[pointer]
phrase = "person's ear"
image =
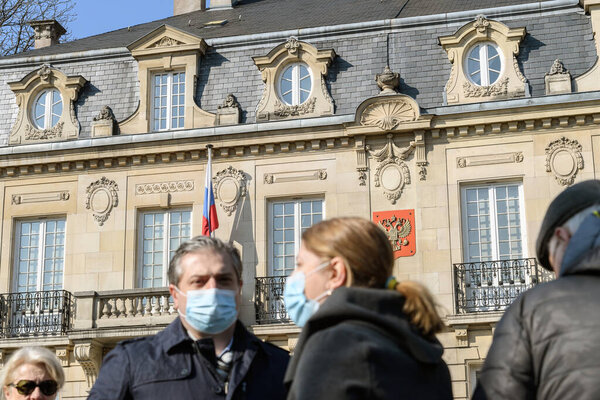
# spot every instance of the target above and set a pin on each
(175, 295)
(339, 274)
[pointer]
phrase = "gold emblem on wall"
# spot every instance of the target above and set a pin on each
(398, 226)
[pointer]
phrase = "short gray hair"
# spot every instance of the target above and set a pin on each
(573, 223)
(36, 356)
(203, 243)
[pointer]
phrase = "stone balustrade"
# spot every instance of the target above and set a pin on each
(119, 308)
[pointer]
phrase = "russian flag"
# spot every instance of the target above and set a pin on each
(210, 222)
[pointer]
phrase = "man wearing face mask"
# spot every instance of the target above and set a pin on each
(206, 353)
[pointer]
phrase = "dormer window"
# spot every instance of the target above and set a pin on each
(484, 64)
(169, 101)
(47, 109)
(295, 84)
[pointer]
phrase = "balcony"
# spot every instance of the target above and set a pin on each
(268, 300)
(490, 286)
(35, 313)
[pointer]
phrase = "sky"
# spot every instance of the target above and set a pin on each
(95, 17)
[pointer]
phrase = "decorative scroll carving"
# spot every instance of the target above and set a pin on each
(230, 186)
(166, 41)
(89, 356)
(462, 335)
(32, 133)
(387, 81)
(387, 115)
(292, 45)
(44, 73)
(164, 187)
(268, 179)
(283, 110)
(392, 173)
(40, 197)
(564, 160)
(62, 353)
(102, 197)
(489, 159)
(499, 88)
(481, 24)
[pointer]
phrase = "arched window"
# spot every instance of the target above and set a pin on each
(47, 109)
(295, 84)
(484, 64)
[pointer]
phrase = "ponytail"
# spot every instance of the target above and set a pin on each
(419, 306)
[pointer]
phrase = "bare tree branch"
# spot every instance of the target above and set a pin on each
(16, 35)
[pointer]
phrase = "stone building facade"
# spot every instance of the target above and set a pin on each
(452, 127)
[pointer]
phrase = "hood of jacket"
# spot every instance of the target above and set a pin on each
(382, 310)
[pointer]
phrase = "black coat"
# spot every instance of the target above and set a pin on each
(170, 365)
(547, 345)
(359, 345)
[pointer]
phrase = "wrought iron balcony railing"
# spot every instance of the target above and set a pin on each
(494, 285)
(268, 302)
(35, 313)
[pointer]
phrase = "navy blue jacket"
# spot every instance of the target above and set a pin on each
(170, 365)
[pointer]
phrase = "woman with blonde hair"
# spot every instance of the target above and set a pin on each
(32, 373)
(365, 335)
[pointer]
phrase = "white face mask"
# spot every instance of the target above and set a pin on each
(209, 310)
(299, 308)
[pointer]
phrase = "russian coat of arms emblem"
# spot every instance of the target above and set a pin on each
(399, 226)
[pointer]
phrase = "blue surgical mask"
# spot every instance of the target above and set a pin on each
(299, 308)
(210, 310)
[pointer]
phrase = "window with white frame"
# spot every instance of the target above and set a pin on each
(484, 64)
(160, 235)
(295, 84)
(47, 109)
(168, 101)
(493, 222)
(288, 219)
(40, 255)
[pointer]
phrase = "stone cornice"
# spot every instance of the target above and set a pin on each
(302, 136)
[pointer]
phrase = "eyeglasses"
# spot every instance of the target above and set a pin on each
(26, 387)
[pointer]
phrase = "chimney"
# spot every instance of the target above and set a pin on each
(47, 32)
(220, 4)
(186, 6)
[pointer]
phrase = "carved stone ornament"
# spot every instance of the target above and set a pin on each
(283, 110)
(89, 356)
(558, 80)
(387, 81)
(292, 45)
(557, 68)
(228, 113)
(166, 41)
(392, 172)
(481, 24)
(499, 88)
(44, 72)
(388, 115)
(33, 134)
(105, 114)
(229, 102)
(164, 187)
(230, 186)
(564, 160)
(102, 197)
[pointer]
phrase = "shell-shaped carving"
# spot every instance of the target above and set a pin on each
(388, 115)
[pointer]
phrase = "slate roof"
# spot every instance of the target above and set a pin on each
(261, 16)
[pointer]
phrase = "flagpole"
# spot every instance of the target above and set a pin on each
(209, 148)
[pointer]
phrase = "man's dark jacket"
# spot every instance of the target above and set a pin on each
(547, 345)
(170, 365)
(360, 345)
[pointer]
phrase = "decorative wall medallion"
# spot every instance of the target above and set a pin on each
(230, 186)
(392, 173)
(282, 110)
(564, 160)
(388, 115)
(102, 197)
(398, 225)
(164, 187)
(497, 89)
(40, 197)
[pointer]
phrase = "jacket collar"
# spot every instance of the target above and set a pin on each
(174, 336)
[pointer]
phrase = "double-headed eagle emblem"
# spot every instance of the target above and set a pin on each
(397, 231)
